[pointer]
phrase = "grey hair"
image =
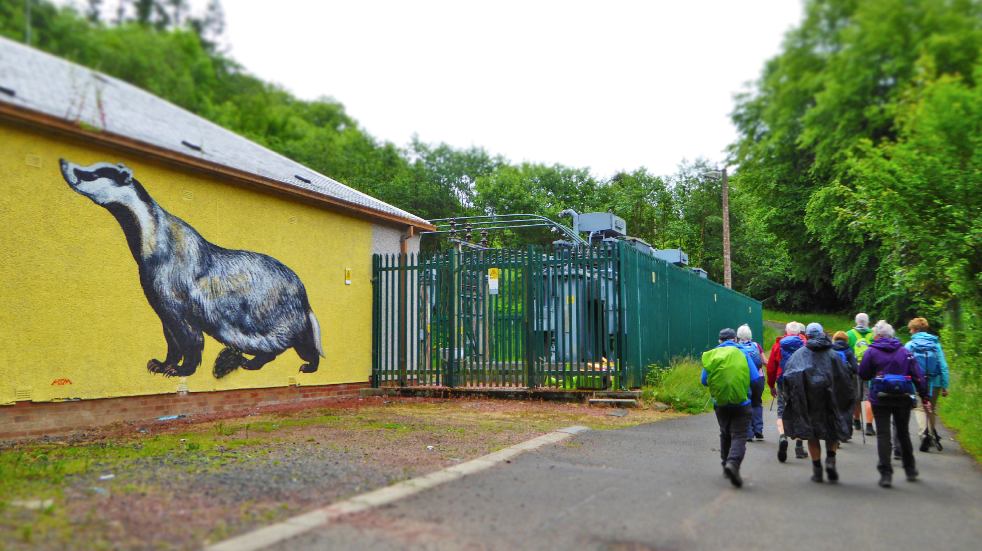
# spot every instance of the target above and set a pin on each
(862, 319)
(791, 328)
(744, 333)
(883, 329)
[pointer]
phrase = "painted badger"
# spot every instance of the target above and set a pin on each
(249, 302)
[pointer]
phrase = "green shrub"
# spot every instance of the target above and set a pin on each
(678, 386)
(960, 411)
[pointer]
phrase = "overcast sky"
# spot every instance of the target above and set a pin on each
(610, 85)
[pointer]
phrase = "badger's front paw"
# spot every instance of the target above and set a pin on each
(157, 366)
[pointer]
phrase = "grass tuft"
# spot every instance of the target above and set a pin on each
(678, 386)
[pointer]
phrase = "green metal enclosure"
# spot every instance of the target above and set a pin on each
(578, 318)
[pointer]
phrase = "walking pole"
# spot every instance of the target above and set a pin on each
(772, 404)
(862, 417)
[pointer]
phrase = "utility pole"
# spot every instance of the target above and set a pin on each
(727, 274)
(27, 22)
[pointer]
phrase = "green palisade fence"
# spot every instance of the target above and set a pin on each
(585, 318)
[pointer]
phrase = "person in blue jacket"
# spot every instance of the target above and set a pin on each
(756, 352)
(930, 357)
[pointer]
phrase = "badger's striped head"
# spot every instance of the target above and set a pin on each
(105, 183)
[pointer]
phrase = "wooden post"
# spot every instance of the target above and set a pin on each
(727, 275)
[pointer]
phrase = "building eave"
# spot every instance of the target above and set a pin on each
(124, 144)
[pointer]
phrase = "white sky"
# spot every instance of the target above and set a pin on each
(608, 85)
(605, 84)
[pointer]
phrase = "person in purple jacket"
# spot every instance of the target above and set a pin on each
(895, 377)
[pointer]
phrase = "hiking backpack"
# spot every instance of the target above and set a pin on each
(788, 347)
(861, 345)
(754, 352)
(926, 355)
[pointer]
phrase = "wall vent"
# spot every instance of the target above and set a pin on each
(22, 395)
(190, 145)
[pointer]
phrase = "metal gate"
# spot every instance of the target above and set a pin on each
(580, 318)
(497, 318)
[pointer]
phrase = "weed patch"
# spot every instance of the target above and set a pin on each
(678, 385)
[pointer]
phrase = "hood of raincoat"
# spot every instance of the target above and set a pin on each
(887, 345)
(819, 343)
(923, 337)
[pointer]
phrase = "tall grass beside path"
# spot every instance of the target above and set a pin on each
(677, 385)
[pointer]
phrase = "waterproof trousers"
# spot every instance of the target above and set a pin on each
(900, 417)
(733, 423)
(756, 408)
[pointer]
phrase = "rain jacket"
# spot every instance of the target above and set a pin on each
(820, 393)
(926, 339)
(888, 356)
(728, 371)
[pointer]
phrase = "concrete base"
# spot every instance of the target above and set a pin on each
(551, 394)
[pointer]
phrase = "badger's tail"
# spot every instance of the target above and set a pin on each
(315, 328)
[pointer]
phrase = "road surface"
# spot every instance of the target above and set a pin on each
(660, 487)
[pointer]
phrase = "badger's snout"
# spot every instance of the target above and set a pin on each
(68, 172)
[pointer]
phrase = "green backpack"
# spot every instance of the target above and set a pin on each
(862, 343)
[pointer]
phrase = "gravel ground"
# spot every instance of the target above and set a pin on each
(180, 485)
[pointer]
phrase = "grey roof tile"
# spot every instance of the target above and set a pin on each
(59, 88)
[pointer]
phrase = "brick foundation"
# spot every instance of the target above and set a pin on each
(33, 419)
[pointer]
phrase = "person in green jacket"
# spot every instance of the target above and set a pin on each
(728, 371)
(860, 337)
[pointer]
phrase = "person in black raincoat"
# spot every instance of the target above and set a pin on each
(820, 392)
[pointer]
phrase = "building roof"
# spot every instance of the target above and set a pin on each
(70, 95)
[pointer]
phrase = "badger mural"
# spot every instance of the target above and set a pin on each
(248, 301)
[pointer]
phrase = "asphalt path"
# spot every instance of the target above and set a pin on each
(660, 487)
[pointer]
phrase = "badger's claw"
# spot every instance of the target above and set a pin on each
(307, 368)
(177, 371)
(157, 366)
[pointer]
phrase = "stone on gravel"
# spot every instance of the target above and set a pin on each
(33, 504)
(617, 413)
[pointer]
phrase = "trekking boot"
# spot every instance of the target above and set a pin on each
(759, 436)
(732, 471)
(911, 473)
(886, 480)
(782, 448)
(799, 450)
(857, 424)
(870, 431)
(817, 471)
(830, 469)
(926, 442)
(897, 454)
(937, 441)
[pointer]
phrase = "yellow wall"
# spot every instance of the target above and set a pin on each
(72, 307)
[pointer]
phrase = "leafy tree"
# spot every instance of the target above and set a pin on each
(840, 89)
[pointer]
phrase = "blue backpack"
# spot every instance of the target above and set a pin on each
(754, 352)
(842, 356)
(926, 355)
(789, 345)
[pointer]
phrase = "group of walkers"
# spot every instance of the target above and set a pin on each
(826, 387)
